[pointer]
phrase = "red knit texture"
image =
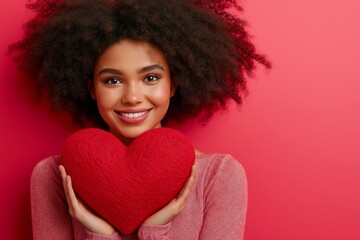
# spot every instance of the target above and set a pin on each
(125, 185)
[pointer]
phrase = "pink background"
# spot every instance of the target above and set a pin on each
(297, 135)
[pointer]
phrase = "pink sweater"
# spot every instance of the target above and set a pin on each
(215, 208)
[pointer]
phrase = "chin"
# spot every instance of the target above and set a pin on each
(130, 133)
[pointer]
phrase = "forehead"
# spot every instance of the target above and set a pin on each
(129, 54)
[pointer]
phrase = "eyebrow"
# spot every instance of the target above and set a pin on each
(142, 70)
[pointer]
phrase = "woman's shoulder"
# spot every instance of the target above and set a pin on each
(47, 163)
(217, 164)
(46, 169)
(217, 159)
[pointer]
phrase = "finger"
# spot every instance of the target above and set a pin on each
(179, 203)
(181, 200)
(64, 181)
(73, 201)
(186, 189)
(193, 170)
(62, 173)
(192, 175)
(72, 196)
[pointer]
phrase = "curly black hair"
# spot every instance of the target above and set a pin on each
(205, 42)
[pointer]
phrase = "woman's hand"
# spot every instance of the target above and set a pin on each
(79, 211)
(170, 211)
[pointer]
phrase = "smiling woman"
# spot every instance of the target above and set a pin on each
(132, 88)
(129, 67)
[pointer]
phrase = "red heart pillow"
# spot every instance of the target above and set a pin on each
(126, 185)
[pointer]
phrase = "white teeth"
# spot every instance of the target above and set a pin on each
(133, 115)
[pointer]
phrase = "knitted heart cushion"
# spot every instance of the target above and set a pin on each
(126, 185)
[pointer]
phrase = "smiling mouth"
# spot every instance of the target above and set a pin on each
(133, 115)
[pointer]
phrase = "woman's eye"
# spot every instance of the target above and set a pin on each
(151, 78)
(112, 81)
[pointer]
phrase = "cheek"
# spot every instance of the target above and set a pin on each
(161, 95)
(106, 98)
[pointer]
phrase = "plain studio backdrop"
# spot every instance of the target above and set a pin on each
(297, 134)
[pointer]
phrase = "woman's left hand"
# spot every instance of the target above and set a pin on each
(170, 211)
(81, 212)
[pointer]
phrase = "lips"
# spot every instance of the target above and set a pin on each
(133, 116)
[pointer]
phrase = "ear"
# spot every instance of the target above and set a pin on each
(90, 86)
(173, 87)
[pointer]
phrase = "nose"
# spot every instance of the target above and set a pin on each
(132, 94)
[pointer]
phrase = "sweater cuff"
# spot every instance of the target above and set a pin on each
(95, 236)
(154, 232)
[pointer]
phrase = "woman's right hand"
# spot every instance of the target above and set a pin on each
(172, 209)
(80, 212)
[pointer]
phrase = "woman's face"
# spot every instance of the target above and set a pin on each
(132, 88)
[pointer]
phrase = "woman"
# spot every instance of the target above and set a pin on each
(129, 67)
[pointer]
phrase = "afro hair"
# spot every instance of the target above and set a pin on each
(206, 44)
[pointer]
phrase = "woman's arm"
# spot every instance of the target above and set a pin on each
(225, 197)
(158, 225)
(96, 227)
(49, 211)
(224, 207)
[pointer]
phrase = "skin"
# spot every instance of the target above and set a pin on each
(132, 88)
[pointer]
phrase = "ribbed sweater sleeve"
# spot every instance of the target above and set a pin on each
(223, 186)
(49, 210)
(225, 200)
(152, 232)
